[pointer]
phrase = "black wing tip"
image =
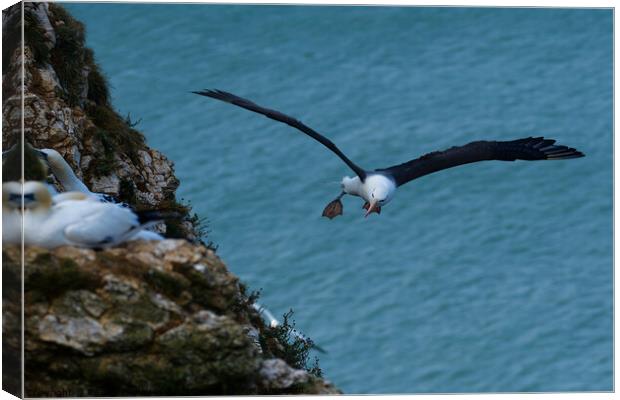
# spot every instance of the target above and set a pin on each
(211, 92)
(569, 153)
(552, 151)
(224, 96)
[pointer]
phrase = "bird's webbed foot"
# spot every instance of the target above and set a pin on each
(377, 209)
(334, 208)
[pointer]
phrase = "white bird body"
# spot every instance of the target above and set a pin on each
(64, 196)
(376, 188)
(80, 223)
(72, 222)
(143, 234)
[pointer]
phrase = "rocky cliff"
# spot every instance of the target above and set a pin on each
(145, 318)
(67, 108)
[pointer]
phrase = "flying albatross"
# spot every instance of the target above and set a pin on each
(377, 187)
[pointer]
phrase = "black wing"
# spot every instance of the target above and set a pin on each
(278, 116)
(522, 149)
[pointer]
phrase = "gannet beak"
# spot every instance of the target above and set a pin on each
(15, 200)
(373, 207)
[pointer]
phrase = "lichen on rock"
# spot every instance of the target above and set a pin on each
(95, 317)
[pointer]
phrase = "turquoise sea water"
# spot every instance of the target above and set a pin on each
(488, 277)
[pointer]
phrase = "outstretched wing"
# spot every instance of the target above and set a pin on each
(522, 149)
(278, 116)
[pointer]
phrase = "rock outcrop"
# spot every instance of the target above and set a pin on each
(147, 318)
(144, 318)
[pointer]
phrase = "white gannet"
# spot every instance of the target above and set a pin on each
(144, 234)
(71, 222)
(68, 179)
(77, 190)
(377, 187)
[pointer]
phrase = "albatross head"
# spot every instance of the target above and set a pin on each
(379, 190)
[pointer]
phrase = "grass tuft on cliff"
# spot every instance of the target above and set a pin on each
(97, 83)
(35, 37)
(279, 341)
(294, 350)
(67, 57)
(70, 58)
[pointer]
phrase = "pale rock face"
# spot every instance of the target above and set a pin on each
(51, 123)
(277, 374)
(109, 184)
(49, 80)
(83, 334)
(142, 306)
(41, 11)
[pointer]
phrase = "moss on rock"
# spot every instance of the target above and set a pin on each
(97, 326)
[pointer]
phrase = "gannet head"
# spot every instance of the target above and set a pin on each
(51, 156)
(36, 196)
(12, 195)
(62, 171)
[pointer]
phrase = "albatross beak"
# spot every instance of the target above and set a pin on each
(373, 207)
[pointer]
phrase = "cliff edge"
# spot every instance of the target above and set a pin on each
(145, 318)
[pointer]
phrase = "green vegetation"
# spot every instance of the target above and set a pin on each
(97, 84)
(52, 277)
(294, 350)
(67, 57)
(280, 341)
(11, 36)
(35, 38)
(175, 227)
(169, 284)
(116, 137)
(70, 58)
